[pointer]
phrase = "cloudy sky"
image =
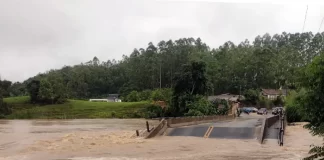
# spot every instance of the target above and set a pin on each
(37, 35)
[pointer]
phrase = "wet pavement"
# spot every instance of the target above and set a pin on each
(197, 131)
(244, 127)
(233, 133)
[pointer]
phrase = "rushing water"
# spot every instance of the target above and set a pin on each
(111, 139)
(17, 135)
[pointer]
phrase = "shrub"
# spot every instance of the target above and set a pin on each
(153, 111)
(161, 95)
(5, 109)
(193, 112)
(221, 107)
(265, 103)
(199, 106)
(278, 101)
(133, 97)
(157, 95)
(294, 107)
(113, 114)
(144, 95)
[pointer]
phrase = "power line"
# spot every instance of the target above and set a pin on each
(305, 18)
(319, 29)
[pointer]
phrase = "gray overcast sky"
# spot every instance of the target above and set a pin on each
(39, 35)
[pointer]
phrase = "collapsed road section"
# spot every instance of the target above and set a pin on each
(245, 127)
(250, 126)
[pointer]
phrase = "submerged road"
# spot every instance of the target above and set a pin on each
(244, 127)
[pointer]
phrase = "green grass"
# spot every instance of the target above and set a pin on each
(17, 100)
(75, 109)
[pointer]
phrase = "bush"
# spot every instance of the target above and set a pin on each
(265, 103)
(293, 114)
(193, 112)
(113, 114)
(133, 97)
(157, 95)
(162, 95)
(278, 101)
(294, 107)
(153, 111)
(198, 107)
(220, 106)
(144, 95)
(4, 108)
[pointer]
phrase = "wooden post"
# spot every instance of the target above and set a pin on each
(137, 133)
(147, 126)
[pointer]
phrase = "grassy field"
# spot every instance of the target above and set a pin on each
(74, 109)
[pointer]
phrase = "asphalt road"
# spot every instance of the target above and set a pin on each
(243, 127)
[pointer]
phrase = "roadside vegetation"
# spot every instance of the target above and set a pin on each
(22, 109)
(306, 102)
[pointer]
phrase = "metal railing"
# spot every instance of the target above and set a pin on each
(281, 127)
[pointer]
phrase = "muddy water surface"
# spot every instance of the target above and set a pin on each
(27, 137)
(112, 140)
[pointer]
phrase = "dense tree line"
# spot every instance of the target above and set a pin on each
(267, 62)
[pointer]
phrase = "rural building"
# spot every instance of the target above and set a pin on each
(272, 94)
(113, 98)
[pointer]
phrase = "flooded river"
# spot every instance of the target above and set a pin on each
(27, 137)
(111, 139)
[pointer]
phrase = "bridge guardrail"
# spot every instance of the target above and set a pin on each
(282, 126)
(267, 122)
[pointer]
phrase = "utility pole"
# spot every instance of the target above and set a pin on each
(160, 75)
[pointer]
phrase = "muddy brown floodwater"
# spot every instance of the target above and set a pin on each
(112, 140)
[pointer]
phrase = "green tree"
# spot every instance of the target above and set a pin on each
(251, 96)
(5, 86)
(17, 89)
(33, 90)
(312, 102)
(4, 107)
(190, 82)
(45, 90)
(269, 61)
(293, 107)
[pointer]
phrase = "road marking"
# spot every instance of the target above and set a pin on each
(206, 132)
(209, 130)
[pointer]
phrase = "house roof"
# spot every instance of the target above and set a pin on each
(274, 91)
